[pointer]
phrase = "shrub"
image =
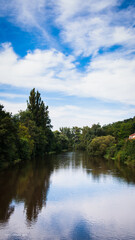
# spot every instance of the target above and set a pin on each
(99, 145)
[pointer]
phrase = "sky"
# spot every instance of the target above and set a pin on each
(80, 55)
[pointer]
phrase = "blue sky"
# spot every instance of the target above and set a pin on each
(80, 55)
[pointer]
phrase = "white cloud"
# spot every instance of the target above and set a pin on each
(69, 9)
(45, 69)
(95, 33)
(13, 107)
(28, 15)
(69, 115)
(109, 77)
(72, 115)
(90, 25)
(108, 214)
(12, 95)
(86, 25)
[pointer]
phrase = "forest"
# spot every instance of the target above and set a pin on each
(29, 134)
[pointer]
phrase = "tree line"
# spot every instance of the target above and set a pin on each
(109, 141)
(29, 134)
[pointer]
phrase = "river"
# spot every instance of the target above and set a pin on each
(69, 196)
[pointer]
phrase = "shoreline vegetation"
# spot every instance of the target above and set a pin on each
(29, 134)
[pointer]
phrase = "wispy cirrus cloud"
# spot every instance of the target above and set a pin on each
(24, 13)
(90, 25)
(85, 26)
(30, 16)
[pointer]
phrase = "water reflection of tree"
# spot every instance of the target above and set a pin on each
(36, 191)
(30, 184)
(100, 166)
(7, 181)
(94, 166)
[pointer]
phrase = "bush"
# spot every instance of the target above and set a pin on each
(127, 153)
(99, 145)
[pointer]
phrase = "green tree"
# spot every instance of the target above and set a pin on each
(8, 133)
(60, 141)
(76, 131)
(36, 119)
(99, 145)
(96, 130)
(127, 153)
(67, 132)
(25, 142)
(38, 110)
(86, 137)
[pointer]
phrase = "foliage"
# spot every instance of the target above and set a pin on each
(127, 153)
(8, 133)
(68, 133)
(29, 134)
(25, 142)
(60, 141)
(76, 131)
(38, 110)
(120, 130)
(99, 145)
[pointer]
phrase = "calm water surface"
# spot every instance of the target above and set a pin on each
(68, 196)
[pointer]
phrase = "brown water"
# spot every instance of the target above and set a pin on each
(68, 196)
